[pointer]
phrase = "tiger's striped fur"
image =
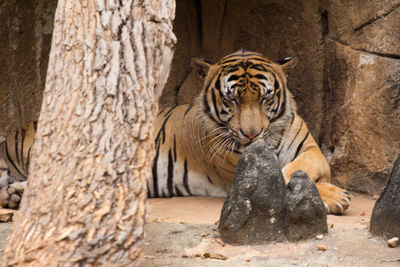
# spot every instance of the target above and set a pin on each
(14, 164)
(16, 149)
(244, 98)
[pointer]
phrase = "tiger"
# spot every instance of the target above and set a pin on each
(244, 98)
(14, 164)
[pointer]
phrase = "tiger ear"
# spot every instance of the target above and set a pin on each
(200, 64)
(288, 62)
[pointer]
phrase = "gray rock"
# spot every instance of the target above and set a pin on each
(254, 210)
(385, 219)
(305, 211)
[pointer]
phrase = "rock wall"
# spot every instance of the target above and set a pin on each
(25, 38)
(361, 122)
(346, 81)
(278, 29)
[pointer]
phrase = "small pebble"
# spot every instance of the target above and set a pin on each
(219, 241)
(393, 242)
(248, 260)
(204, 234)
(3, 198)
(4, 179)
(331, 225)
(19, 187)
(322, 247)
(6, 215)
(10, 190)
(319, 237)
(15, 198)
(217, 256)
(362, 213)
(375, 196)
(12, 205)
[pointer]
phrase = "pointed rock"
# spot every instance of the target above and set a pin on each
(385, 219)
(254, 210)
(305, 211)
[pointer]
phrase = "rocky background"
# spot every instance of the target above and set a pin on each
(25, 39)
(346, 82)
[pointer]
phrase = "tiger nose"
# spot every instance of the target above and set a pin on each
(251, 135)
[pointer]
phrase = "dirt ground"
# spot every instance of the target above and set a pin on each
(182, 232)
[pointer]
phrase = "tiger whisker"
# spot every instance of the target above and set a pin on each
(213, 149)
(221, 136)
(216, 147)
(222, 146)
(213, 146)
(227, 148)
(211, 134)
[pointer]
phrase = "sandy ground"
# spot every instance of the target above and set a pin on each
(182, 232)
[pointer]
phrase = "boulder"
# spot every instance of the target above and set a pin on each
(305, 211)
(385, 219)
(254, 210)
(370, 26)
(361, 128)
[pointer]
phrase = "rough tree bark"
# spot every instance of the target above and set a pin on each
(85, 201)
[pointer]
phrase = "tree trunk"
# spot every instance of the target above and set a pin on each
(85, 201)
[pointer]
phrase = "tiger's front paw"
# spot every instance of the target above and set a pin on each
(336, 199)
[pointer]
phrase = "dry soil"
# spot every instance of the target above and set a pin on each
(182, 232)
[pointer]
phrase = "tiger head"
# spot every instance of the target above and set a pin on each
(243, 94)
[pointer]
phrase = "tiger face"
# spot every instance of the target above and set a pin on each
(243, 94)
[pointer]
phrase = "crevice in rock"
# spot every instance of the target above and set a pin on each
(221, 26)
(375, 18)
(379, 54)
(324, 22)
(200, 21)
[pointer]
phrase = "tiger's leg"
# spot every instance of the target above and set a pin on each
(313, 162)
